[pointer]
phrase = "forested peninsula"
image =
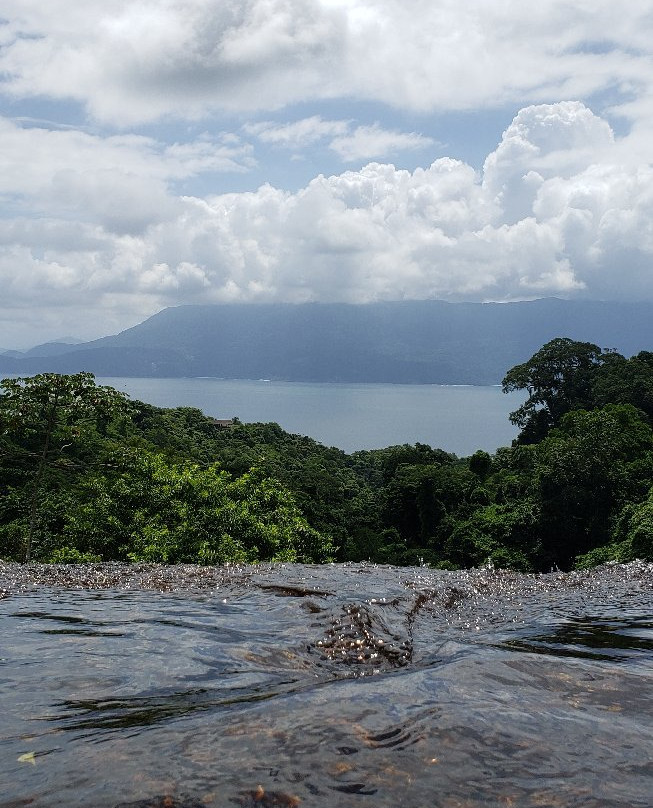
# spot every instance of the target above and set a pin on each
(86, 475)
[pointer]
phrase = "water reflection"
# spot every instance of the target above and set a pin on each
(602, 638)
(146, 711)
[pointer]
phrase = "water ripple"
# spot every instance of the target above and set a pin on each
(285, 685)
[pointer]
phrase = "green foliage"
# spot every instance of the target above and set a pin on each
(52, 424)
(418, 498)
(632, 537)
(480, 463)
(150, 509)
(558, 378)
(325, 483)
(583, 477)
(640, 530)
(616, 552)
(88, 483)
(625, 381)
(386, 462)
(506, 535)
(71, 555)
(634, 530)
(86, 475)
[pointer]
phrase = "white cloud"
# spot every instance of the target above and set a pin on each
(550, 140)
(94, 223)
(138, 60)
(351, 144)
(557, 211)
(120, 182)
(367, 142)
(298, 134)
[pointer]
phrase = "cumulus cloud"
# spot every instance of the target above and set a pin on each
(94, 222)
(556, 211)
(546, 216)
(558, 140)
(137, 60)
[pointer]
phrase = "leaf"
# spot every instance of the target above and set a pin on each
(28, 757)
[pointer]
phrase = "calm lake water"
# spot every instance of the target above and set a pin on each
(349, 416)
(323, 687)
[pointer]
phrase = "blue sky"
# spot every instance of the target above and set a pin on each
(161, 152)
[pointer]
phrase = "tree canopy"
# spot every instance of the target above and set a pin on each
(87, 475)
(50, 422)
(558, 378)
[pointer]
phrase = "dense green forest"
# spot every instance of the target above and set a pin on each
(88, 475)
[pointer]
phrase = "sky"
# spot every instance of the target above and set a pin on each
(156, 153)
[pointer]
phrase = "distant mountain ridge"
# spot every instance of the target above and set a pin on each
(412, 342)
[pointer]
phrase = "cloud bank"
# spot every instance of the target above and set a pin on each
(131, 61)
(111, 211)
(557, 210)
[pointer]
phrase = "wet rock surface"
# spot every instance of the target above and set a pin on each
(165, 801)
(130, 686)
(115, 575)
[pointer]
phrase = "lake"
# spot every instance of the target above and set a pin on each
(458, 419)
(341, 686)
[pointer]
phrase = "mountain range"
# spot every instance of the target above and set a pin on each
(413, 342)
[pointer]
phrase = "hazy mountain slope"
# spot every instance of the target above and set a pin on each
(408, 341)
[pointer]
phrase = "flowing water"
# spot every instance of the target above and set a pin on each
(342, 685)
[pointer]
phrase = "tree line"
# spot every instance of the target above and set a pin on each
(88, 475)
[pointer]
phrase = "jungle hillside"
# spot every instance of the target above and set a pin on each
(88, 475)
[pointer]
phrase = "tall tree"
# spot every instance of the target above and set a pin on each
(558, 379)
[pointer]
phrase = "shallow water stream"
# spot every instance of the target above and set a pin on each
(342, 685)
